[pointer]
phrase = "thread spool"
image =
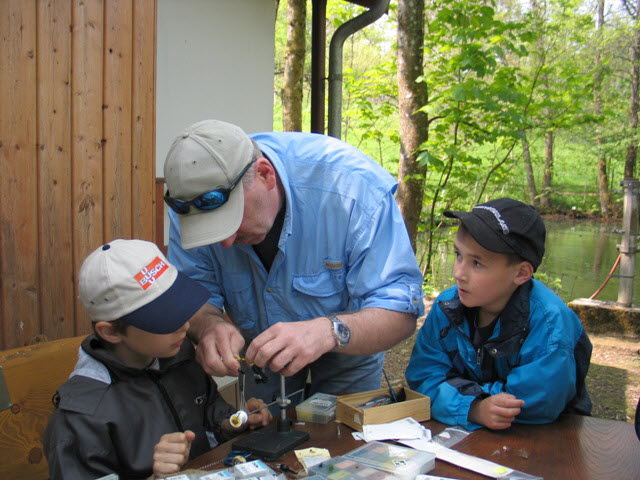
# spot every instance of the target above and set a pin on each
(238, 419)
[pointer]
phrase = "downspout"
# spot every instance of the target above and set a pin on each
(335, 61)
(318, 60)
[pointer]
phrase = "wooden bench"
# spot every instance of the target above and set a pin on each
(29, 377)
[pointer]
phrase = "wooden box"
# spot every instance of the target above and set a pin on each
(416, 405)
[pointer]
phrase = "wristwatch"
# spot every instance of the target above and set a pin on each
(340, 331)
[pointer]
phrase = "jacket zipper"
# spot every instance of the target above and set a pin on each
(478, 351)
(167, 399)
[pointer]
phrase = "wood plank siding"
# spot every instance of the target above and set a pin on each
(77, 151)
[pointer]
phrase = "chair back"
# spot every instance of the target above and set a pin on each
(29, 378)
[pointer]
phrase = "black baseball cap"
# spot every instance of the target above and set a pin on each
(506, 225)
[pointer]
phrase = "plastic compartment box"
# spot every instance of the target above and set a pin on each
(318, 408)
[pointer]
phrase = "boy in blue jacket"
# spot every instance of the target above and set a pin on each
(500, 347)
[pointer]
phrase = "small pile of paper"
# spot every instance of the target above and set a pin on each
(409, 432)
(406, 431)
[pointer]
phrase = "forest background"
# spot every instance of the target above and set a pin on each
(468, 100)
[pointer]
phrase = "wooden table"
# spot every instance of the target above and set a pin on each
(572, 448)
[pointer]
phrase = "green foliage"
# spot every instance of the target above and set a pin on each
(554, 283)
(478, 102)
(495, 71)
(429, 288)
(371, 109)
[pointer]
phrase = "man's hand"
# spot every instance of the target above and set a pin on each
(172, 452)
(497, 411)
(219, 342)
(218, 348)
(261, 418)
(287, 347)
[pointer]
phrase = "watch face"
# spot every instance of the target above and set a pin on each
(343, 332)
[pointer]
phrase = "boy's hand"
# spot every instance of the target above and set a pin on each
(497, 411)
(172, 452)
(261, 418)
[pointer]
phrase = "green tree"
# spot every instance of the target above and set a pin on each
(412, 93)
(633, 8)
(476, 105)
(294, 65)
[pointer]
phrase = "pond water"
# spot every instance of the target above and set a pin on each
(579, 253)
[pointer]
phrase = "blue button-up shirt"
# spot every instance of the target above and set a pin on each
(343, 245)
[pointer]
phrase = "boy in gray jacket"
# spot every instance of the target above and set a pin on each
(137, 403)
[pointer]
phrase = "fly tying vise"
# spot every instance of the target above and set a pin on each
(239, 418)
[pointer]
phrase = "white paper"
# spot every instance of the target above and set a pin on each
(475, 464)
(404, 429)
(409, 432)
(432, 477)
(417, 443)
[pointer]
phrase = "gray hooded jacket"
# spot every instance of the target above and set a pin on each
(109, 416)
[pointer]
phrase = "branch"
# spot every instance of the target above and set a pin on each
(493, 169)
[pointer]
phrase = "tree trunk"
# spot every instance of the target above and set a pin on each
(538, 10)
(603, 179)
(547, 174)
(531, 181)
(632, 148)
(294, 66)
(413, 123)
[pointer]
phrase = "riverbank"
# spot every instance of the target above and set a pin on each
(613, 380)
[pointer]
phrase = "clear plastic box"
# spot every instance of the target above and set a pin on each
(318, 408)
(342, 468)
(401, 462)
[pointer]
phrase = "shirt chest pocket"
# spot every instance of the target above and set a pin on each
(325, 290)
(241, 299)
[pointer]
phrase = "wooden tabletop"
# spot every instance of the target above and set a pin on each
(572, 448)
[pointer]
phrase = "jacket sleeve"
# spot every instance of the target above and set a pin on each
(431, 372)
(78, 449)
(217, 411)
(545, 377)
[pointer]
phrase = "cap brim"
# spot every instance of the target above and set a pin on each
(481, 232)
(172, 309)
(202, 227)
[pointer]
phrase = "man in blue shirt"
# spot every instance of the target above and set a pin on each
(299, 241)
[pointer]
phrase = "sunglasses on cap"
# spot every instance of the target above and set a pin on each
(208, 200)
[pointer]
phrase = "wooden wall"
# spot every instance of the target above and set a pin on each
(77, 147)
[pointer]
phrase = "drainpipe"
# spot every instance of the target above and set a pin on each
(335, 61)
(318, 60)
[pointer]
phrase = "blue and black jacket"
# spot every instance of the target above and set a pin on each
(538, 352)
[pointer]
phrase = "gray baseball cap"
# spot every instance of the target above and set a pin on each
(208, 155)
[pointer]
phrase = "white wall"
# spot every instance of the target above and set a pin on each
(214, 60)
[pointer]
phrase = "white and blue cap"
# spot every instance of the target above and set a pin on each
(131, 280)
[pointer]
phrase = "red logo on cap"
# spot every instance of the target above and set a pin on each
(151, 273)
